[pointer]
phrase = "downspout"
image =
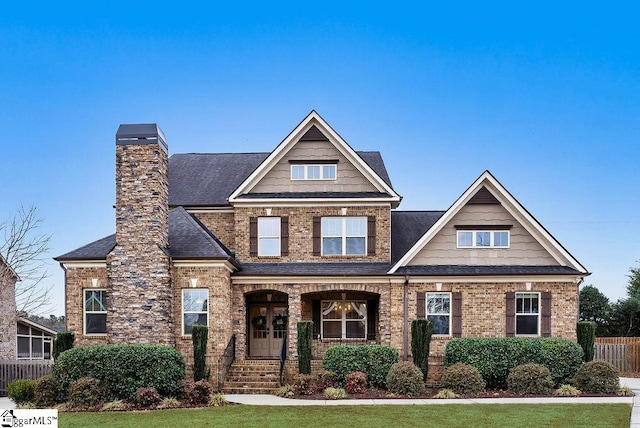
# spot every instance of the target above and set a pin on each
(405, 330)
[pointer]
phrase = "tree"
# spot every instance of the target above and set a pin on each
(595, 307)
(625, 317)
(633, 286)
(23, 247)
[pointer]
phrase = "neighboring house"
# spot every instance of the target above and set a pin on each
(35, 341)
(8, 279)
(251, 243)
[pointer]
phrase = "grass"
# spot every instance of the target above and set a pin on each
(455, 415)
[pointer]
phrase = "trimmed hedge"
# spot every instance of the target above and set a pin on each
(199, 337)
(586, 332)
(421, 331)
(62, 342)
(305, 334)
(494, 357)
(374, 360)
(598, 377)
(123, 368)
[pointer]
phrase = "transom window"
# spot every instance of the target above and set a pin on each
(195, 308)
(343, 319)
(95, 311)
(439, 312)
(344, 236)
(527, 314)
(483, 238)
(314, 172)
(269, 236)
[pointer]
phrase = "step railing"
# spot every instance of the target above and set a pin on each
(225, 361)
(283, 358)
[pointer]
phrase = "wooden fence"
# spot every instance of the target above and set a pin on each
(15, 369)
(622, 352)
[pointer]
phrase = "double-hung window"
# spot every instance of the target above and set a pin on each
(344, 236)
(344, 319)
(527, 314)
(95, 311)
(483, 238)
(438, 307)
(314, 172)
(195, 308)
(269, 236)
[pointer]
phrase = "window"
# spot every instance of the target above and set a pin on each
(483, 238)
(195, 309)
(344, 319)
(268, 236)
(314, 172)
(344, 236)
(95, 311)
(439, 312)
(33, 344)
(527, 314)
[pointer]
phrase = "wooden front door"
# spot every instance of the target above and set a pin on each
(267, 328)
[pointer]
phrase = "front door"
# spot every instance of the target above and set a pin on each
(267, 328)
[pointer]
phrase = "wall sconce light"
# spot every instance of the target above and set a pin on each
(268, 211)
(269, 297)
(528, 286)
(438, 286)
(94, 282)
(344, 211)
(194, 282)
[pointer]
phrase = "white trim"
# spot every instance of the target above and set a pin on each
(277, 237)
(314, 202)
(474, 244)
(260, 279)
(192, 312)
(30, 336)
(538, 314)
(514, 208)
(500, 279)
(313, 118)
(321, 177)
(204, 263)
(210, 210)
(343, 320)
(426, 309)
(343, 236)
(36, 325)
(84, 311)
(84, 264)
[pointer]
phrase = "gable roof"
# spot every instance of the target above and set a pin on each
(318, 127)
(4, 264)
(407, 227)
(489, 183)
(188, 239)
(36, 325)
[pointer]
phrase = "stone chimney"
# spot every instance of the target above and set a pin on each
(139, 293)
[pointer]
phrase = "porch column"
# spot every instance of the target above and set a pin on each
(295, 315)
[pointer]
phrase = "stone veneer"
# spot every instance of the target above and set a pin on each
(8, 339)
(138, 268)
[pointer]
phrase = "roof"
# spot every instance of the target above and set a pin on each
(36, 325)
(188, 239)
(5, 264)
(313, 269)
(477, 270)
(208, 179)
(407, 227)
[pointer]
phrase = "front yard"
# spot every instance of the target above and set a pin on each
(463, 415)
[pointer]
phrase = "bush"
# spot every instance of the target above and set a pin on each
(45, 392)
(286, 391)
(115, 405)
(86, 392)
(567, 391)
(123, 368)
(462, 379)
(421, 331)
(169, 403)
(446, 393)
(196, 393)
(356, 383)
(304, 384)
(494, 357)
(406, 379)
(586, 331)
(62, 342)
(218, 400)
(325, 379)
(530, 379)
(147, 397)
(335, 393)
(199, 337)
(625, 391)
(305, 334)
(374, 360)
(597, 377)
(21, 391)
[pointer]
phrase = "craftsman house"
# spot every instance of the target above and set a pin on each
(251, 243)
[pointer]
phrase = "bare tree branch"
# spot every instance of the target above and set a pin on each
(24, 248)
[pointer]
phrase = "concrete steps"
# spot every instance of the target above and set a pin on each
(252, 377)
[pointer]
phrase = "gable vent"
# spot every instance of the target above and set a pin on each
(314, 134)
(484, 196)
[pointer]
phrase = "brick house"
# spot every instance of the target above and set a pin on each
(251, 243)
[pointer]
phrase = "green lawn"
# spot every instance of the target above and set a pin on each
(456, 415)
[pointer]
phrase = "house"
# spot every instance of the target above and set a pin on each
(251, 243)
(34, 341)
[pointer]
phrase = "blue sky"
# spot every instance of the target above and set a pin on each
(546, 96)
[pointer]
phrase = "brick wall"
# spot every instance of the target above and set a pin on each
(222, 225)
(77, 280)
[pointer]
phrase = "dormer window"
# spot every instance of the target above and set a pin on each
(484, 237)
(313, 171)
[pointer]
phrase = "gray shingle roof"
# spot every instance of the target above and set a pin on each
(463, 270)
(407, 227)
(188, 239)
(207, 179)
(315, 269)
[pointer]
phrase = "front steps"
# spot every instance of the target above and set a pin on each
(252, 377)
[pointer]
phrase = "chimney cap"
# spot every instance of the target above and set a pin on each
(141, 133)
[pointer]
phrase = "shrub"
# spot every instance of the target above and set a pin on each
(218, 400)
(114, 405)
(586, 332)
(406, 379)
(335, 393)
(462, 379)
(494, 357)
(625, 391)
(286, 391)
(421, 331)
(325, 379)
(123, 368)
(567, 391)
(21, 391)
(304, 384)
(45, 392)
(305, 334)
(356, 383)
(86, 392)
(598, 377)
(530, 379)
(62, 342)
(199, 337)
(446, 393)
(374, 360)
(169, 403)
(147, 397)
(196, 393)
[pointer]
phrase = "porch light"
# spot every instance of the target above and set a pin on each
(268, 297)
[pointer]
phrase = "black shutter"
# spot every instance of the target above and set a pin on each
(372, 314)
(545, 324)
(253, 236)
(456, 314)
(317, 230)
(284, 236)
(421, 312)
(317, 319)
(510, 304)
(371, 236)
